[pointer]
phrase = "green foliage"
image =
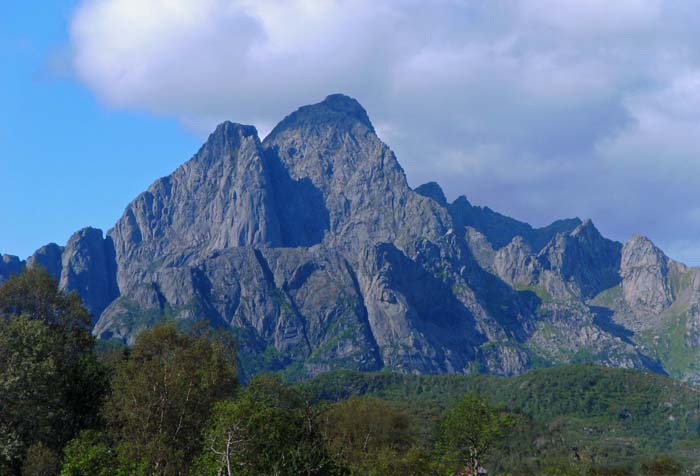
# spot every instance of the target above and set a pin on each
(41, 461)
(90, 454)
(268, 429)
(51, 384)
(370, 436)
(628, 402)
(35, 293)
(660, 466)
(611, 470)
(540, 291)
(162, 395)
(561, 470)
(593, 417)
(470, 431)
(30, 410)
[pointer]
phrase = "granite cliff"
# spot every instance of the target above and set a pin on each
(312, 248)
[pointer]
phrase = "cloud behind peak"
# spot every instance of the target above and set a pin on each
(539, 108)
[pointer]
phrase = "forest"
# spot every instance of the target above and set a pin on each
(173, 403)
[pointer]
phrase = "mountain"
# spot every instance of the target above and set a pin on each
(313, 249)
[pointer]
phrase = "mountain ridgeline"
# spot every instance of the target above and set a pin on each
(313, 249)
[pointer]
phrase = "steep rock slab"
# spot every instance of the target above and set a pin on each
(516, 263)
(221, 198)
(645, 277)
(333, 147)
(293, 309)
(49, 257)
(581, 263)
(323, 290)
(88, 267)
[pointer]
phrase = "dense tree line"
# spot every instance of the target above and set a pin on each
(171, 405)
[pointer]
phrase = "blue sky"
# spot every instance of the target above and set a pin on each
(540, 109)
(67, 161)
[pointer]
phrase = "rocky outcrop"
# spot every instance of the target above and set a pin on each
(318, 183)
(579, 264)
(49, 257)
(516, 264)
(88, 267)
(432, 190)
(9, 265)
(222, 198)
(645, 277)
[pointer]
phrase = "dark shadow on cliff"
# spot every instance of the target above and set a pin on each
(301, 208)
(439, 315)
(603, 318)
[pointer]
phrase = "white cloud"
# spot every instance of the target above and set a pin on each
(586, 17)
(540, 108)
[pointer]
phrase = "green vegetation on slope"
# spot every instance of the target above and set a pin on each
(580, 413)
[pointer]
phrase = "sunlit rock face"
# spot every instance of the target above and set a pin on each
(312, 249)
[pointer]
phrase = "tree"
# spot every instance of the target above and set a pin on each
(370, 436)
(90, 454)
(567, 469)
(660, 466)
(35, 293)
(41, 461)
(51, 385)
(605, 470)
(469, 432)
(162, 396)
(268, 430)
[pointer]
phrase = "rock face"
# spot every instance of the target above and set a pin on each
(220, 199)
(88, 266)
(645, 277)
(85, 265)
(582, 263)
(311, 247)
(9, 265)
(434, 191)
(49, 257)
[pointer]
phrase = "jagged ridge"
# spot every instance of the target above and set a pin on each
(313, 249)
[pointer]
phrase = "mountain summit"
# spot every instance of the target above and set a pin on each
(313, 249)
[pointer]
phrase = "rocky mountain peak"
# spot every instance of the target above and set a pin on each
(582, 262)
(587, 230)
(461, 201)
(49, 257)
(226, 140)
(434, 191)
(329, 154)
(640, 251)
(221, 198)
(644, 269)
(336, 113)
(89, 267)
(232, 130)
(343, 104)
(9, 265)
(515, 262)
